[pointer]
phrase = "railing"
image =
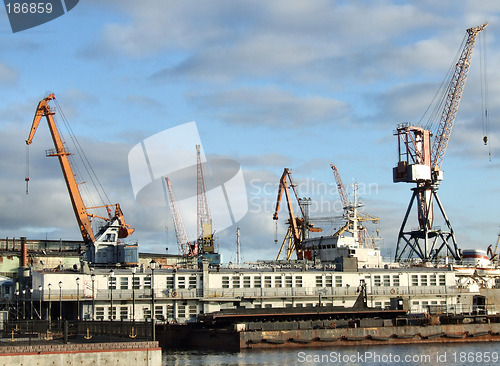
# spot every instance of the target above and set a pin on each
(270, 292)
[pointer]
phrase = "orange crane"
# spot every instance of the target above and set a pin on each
(101, 247)
(298, 227)
(420, 163)
(186, 248)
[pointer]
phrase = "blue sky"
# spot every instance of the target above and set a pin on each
(270, 84)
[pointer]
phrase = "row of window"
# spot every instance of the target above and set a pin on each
(144, 282)
(261, 281)
(162, 312)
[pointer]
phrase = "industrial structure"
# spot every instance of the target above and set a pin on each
(420, 162)
(104, 247)
(298, 226)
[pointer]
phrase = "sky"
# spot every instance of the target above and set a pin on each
(271, 85)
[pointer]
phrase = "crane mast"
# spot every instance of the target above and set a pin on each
(420, 163)
(298, 227)
(103, 247)
(186, 248)
(351, 213)
(43, 110)
(204, 227)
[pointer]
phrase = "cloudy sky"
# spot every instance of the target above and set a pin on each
(270, 84)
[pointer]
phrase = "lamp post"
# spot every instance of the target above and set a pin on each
(49, 317)
(111, 276)
(134, 270)
(17, 304)
(92, 277)
(40, 295)
(152, 264)
(31, 303)
(78, 298)
(24, 303)
(60, 301)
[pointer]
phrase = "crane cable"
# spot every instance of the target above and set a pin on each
(484, 92)
(86, 163)
(27, 178)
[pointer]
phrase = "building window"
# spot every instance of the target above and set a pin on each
(246, 281)
(395, 280)
(433, 280)
(298, 281)
(319, 281)
(267, 306)
(278, 281)
(113, 314)
(423, 280)
(170, 312)
(112, 283)
(414, 280)
(288, 281)
(338, 281)
(377, 281)
(170, 282)
(225, 282)
(181, 282)
(267, 281)
(137, 282)
(387, 280)
(124, 283)
(181, 311)
(147, 312)
(159, 312)
(147, 282)
(442, 280)
(257, 282)
(99, 312)
(329, 281)
(192, 282)
(236, 281)
(123, 313)
(192, 310)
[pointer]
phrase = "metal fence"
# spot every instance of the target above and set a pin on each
(79, 331)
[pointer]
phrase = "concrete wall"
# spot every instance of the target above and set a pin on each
(123, 354)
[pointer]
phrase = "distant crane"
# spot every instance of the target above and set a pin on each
(420, 163)
(186, 248)
(493, 252)
(102, 248)
(351, 212)
(204, 227)
(298, 227)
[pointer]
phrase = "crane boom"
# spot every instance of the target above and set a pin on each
(43, 110)
(103, 248)
(340, 188)
(185, 247)
(454, 94)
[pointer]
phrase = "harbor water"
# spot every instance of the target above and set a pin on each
(470, 354)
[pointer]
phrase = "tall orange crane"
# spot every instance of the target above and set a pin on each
(298, 227)
(420, 163)
(186, 248)
(101, 247)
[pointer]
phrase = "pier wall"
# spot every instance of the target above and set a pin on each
(119, 353)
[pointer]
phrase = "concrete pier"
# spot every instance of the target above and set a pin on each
(101, 354)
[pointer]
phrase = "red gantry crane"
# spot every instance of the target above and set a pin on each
(420, 163)
(103, 247)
